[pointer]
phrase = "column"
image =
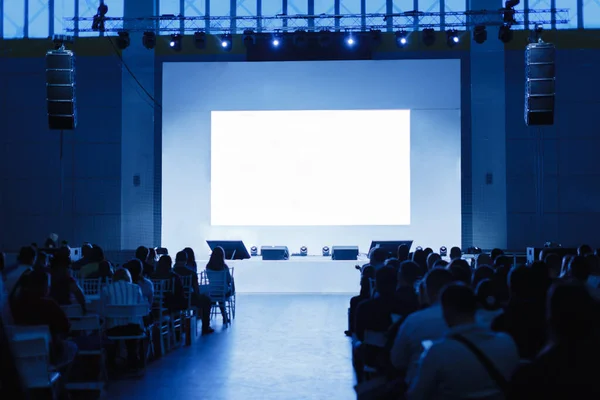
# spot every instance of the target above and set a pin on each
(488, 137)
(137, 142)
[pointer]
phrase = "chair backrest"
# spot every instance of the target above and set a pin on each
(85, 323)
(162, 287)
(373, 338)
(29, 332)
(91, 286)
(188, 287)
(126, 311)
(33, 360)
(217, 284)
(73, 310)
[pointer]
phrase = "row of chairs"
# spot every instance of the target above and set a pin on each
(31, 347)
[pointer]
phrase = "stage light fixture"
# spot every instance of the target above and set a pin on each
(123, 40)
(303, 251)
(277, 40)
(326, 251)
(443, 251)
(401, 38)
(175, 42)
(300, 38)
(428, 36)
(479, 34)
(324, 38)
(200, 40)
(99, 18)
(536, 34)
(249, 38)
(350, 39)
(226, 42)
(419, 248)
(149, 40)
(452, 37)
(254, 251)
(505, 34)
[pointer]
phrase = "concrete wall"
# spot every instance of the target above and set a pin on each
(553, 172)
(33, 202)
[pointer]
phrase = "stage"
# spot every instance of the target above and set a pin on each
(311, 274)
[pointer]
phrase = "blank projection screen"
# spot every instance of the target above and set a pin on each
(314, 153)
(312, 160)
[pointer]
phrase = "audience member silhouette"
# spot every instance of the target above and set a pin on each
(420, 258)
(403, 251)
(495, 253)
(431, 260)
(460, 270)
(568, 366)
(134, 267)
(584, 250)
(406, 299)
(191, 259)
(483, 259)
(482, 272)
(451, 368)
(524, 316)
(553, 263)
(216, 263)
(426, 324)
(488, 305)
(455, 253)
(142, 253)
(64, 288)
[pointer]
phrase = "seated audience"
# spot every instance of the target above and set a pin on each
(176, 300)
(584, 250)
(86, 257)
(2, 262)
(483, 259)
(455, 253)
(377, 258)
(460, 270)
(105, 272)
(420, 259)
(568, 366)
(198, 300)
(440, 264)
(403, 251)
(594, 279)
(553, 263)
(452, 367)
(191, 259)
(134, 267)
(120, 293)
(427, 251)
(406, 299)
(96, 256)
(427, 324)
(216, 263)
(151, 256)
(495, 253)
(392, 263)
(487, 302)
(42, 262)
(25, 263)
(374, 315)
(64, 288)
(524, 316)
(142, 253)
(431, 260)
(501, 283)
(481, 273)
(33, 307)
(579, 271)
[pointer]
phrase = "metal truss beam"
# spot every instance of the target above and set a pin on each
(347, 22)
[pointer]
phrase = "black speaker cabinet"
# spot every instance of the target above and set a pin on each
(539, 84)
(60, 89)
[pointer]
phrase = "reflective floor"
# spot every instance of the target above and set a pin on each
(279, 347)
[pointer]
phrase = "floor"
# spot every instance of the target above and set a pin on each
(279, 347)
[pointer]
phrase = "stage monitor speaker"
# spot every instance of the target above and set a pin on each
(234, 249)
(344, 253)
(539, 84)
(274, 253)
(60, 89)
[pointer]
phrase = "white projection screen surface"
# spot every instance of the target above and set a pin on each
(311, 161)
(312, 153)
